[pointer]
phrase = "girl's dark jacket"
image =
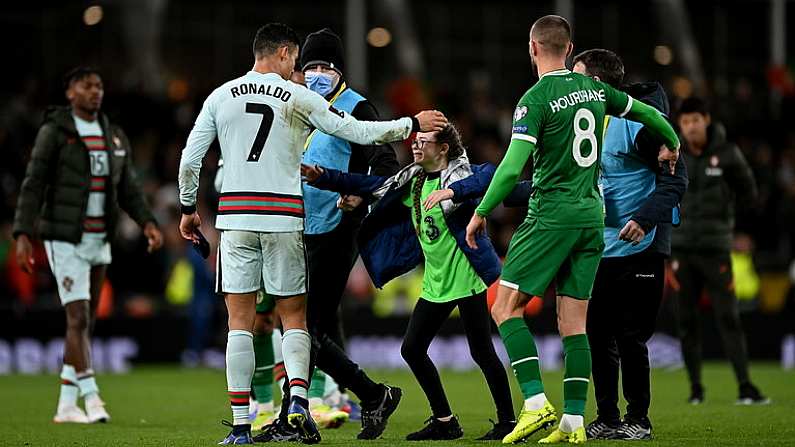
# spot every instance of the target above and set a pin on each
(387, 240)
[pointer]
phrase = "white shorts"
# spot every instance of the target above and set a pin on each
(71, 265)
(249, 260)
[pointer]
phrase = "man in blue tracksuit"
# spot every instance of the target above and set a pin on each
(641, 203)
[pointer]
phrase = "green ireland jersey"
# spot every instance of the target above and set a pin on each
(563, 116)
(448, 274)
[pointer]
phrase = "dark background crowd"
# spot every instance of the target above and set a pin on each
(160, 58)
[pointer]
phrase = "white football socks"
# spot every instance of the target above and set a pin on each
(88, 387)
(239, 371)
(535, 402)
(277, 354)
(571, 422)
(295, 349)
(69, 387)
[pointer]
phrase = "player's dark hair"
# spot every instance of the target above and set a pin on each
(604, 64)
(273, 36)
(452, 138)
(553, 33)
(78, 74)
(694, 104)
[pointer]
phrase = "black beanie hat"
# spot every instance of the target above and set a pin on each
(323, 47)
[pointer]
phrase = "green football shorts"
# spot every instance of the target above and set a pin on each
(265, 302)
(536, 257)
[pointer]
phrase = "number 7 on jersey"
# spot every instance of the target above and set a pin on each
(264, 128)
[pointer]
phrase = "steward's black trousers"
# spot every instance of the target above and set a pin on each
(621, 318)
(330, 257)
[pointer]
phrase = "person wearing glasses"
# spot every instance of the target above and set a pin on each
(421, 213)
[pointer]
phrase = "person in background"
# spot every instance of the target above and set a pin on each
(79, 177)
(719, 179)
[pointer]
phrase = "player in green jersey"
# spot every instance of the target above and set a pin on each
(559, 122)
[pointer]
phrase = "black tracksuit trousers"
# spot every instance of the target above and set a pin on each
(621, 317)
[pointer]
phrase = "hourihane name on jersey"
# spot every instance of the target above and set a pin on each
(252, 88)
(578, 97)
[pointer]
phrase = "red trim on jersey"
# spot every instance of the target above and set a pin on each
(259, 199)
(260, 208)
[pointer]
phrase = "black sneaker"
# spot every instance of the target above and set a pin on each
(696, 395)
(278, 431)
(634, 430)
(498, 431)
(599, 429)
(436, 430)
(750, 395)
(375, 415)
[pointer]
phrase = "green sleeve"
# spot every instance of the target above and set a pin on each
(654, 121)
(506, 175)
(622, 105)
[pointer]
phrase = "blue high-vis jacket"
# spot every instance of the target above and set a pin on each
(322, 214)
(626, 182)
(388, 243)
(633, 185)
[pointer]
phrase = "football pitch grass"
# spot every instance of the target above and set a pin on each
(170, 406)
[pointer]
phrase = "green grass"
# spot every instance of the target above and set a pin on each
(172, 406)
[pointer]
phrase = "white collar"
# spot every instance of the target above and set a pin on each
(270, 73)
(562, 71)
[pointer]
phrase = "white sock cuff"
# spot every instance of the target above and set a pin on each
(571, 422)
(84, 374)
(87, 385)
(535, 402)
(68, 373)
(293, 332)
(239, 333)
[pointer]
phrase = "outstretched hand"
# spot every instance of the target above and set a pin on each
(431, 120)
(349, 202)
(476, 227)
(667, 158)
(310, 173)
(437, 196)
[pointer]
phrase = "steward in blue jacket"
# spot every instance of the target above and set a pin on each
(641, 204)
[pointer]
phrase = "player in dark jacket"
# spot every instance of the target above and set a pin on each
(719, 178)
(79, 177)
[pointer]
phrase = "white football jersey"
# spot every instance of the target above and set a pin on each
(261, 122)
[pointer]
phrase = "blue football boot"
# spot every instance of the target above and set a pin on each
(299, 417)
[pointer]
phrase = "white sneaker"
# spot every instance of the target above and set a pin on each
(96, 411)
(70, 414)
